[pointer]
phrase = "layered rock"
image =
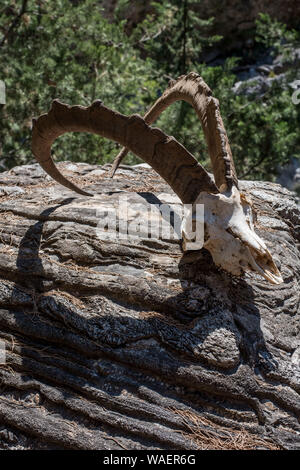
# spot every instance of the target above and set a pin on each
(114, 343)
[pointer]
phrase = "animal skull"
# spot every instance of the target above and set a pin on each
(228, 224)
(229, 234)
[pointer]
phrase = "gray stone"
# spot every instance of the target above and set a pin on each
(112, 344)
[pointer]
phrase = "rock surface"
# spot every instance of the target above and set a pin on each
(114, 343)
(289, 176)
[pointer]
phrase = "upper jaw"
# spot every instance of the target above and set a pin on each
(263, 264)
(259, 258)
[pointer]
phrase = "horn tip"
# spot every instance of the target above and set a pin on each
(85, 193)
(96, 104)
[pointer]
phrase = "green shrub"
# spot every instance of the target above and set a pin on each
(68, 50)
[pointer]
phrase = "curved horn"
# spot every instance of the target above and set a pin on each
(192, 89)
(165, 155)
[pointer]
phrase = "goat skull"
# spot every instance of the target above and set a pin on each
(229, 233)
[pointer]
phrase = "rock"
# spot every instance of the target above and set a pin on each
(258, 85)
(282, 64)
(264, 69)
(289, 175)
(114, 343)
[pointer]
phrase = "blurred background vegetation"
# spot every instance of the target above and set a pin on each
(78, 51)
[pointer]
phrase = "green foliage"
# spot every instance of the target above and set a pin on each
(271, 33)
(263, 132)
(175, 36)
(74, 54)
(68, 50)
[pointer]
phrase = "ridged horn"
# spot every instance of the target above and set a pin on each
(192, 89)
(164, 154)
